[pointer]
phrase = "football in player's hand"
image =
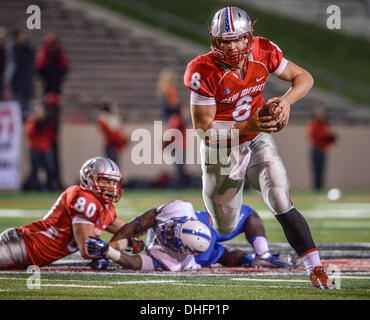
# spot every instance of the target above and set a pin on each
(269, 110)
(272, 110)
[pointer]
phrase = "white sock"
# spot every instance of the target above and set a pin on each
(260, 245)
(311, 260)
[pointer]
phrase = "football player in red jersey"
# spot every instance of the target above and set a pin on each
(226, 95)
(79, 212)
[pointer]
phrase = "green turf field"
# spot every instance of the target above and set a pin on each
(82, 287)
(344, 220)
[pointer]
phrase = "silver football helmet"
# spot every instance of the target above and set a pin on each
(231, 23)
(184, 235)
(96, 168)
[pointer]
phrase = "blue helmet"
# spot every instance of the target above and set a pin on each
(184, 235)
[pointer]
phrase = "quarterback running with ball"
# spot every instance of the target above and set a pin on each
(226, 96)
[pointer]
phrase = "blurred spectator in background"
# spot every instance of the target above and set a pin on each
(321, 138)
(52, 107)
(173, 119)
(3, 61)
(40, 139)
(110, 124)
(167, 92)
(180, 179)
(20, 71)
(51, 64)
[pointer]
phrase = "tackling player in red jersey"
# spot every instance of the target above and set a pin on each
(226, 95)
(79, 212)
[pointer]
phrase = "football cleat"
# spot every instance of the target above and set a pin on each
(320, 279)
(267, 260)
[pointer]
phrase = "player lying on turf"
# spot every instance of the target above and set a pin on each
(80, 212)
(180, 238)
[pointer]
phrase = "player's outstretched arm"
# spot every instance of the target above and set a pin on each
(100, 249)
(302, 83)
(115, 225)
(137, 226)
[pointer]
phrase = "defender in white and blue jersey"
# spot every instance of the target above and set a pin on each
(179, 238)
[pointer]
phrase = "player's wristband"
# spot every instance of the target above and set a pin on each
(113, 254)
(137, 220)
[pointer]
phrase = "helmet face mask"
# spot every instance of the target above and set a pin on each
(167, 233)
(110, 192)
(231, 24)
(185, 235)
(102, 177)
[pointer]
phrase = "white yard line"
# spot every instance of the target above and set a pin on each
(63, 284)
(144, 282)
(95, 281)
(50, 280)
(112, 284)
(292, 280)
(269, 280)
(345, 225)
(349, 277)
(75, 286)
(19, 213)
(325, 213)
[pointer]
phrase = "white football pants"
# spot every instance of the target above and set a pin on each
(13, 252)
(266, 174)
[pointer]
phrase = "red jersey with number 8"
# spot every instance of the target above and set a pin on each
(237, 94)
(51, 237)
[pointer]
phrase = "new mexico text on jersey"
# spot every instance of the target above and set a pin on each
(237, 94)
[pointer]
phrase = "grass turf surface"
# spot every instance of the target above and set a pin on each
(332, 227)
(102, 287)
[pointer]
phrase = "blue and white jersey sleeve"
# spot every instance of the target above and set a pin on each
(176, 209)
